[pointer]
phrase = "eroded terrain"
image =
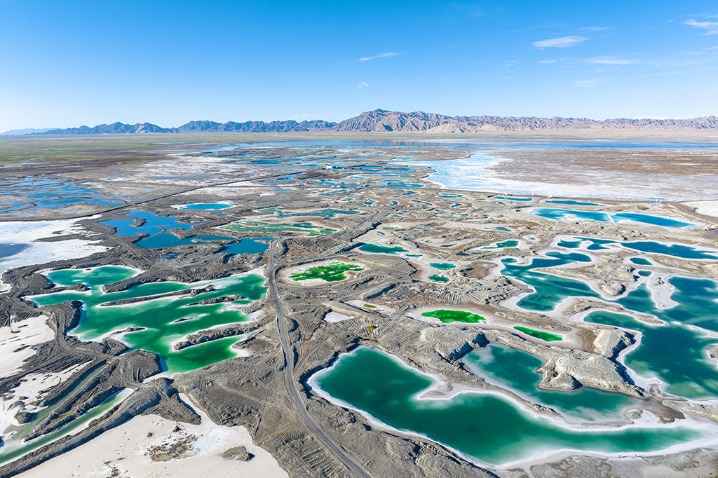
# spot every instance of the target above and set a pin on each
(356, 319)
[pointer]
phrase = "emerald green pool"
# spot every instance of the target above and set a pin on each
(641, 261)
(518, 371)
(377, 249)
(442, 266)
(539, 334)
(447, 316)
(330, 273)
(162, 320)
(485, 427)
(503, 244)
(439, 278)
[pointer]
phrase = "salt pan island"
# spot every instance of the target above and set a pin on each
(342, 305)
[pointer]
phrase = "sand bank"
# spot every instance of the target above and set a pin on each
(183, 450)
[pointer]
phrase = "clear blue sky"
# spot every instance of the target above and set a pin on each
(66, 63)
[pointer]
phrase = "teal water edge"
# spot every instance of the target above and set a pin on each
(518, 370)
(378, 249)
(486, 427)
(696, 308)
(551, 213)
(156, 322)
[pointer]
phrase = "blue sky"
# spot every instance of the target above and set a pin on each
(167, 62)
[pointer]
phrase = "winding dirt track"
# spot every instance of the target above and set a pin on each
(288, 350)
(354, 468)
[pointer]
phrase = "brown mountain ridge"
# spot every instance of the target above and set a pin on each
(382, 121)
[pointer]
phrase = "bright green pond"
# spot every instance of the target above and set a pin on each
(539, 334)
(163, 320)
(448, 316)
(486, 427)
(439, 278)
(330, 273)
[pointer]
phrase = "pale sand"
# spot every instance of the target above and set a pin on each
(707, 208)
(28, 395)
(42, 252)
(123, 451)
(333, 316)
(17, 339)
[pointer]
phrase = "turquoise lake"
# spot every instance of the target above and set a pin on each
(517, 370)
(486, 427)
(559, 214)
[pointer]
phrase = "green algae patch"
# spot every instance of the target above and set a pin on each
(333, 272)
(547, 336)
(448, 316)
(442, 266)
(377, 249)
(439, 278)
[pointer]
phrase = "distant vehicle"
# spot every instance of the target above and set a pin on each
(328, 167)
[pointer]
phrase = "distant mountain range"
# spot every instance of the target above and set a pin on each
(23, 132)
(381, 121)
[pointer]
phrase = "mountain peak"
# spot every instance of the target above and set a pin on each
(381, 121)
